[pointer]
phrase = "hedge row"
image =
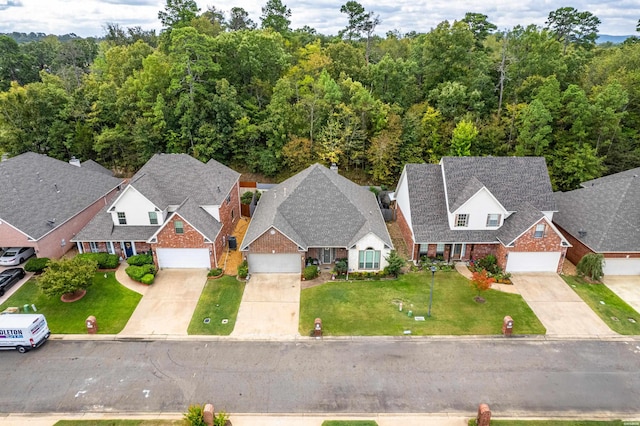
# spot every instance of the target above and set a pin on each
(104, 260)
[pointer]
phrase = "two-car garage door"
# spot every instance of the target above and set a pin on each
(533, 261)
(274, 263)
(183, 258)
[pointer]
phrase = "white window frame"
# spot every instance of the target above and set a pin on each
(153, 216)
(438, 251)
(374, 259)
(540, 230)
(495, 222)
(122, 218)
(175, 228)
(93, 246)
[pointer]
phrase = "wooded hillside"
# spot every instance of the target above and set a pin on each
(273, 100)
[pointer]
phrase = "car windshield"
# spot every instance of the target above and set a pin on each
(9, 254)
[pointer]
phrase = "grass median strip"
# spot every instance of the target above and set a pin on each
(110, 302)
(372, 308)
(615, 312)
(219, 301)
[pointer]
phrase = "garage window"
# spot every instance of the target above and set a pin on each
(178, 226)
(539, 230)
(369, 259)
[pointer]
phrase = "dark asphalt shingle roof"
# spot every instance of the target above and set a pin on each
(318, 208)
(609, 213)
(171, 180)
(622, 175)
(512, 180)
(525, 194)
(37, 189)
(92, 165)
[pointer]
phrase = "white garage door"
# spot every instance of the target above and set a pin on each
(183, 258)
(533, 262)
(621, 267)
(274, 263)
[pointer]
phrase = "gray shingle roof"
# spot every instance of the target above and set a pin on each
(609, 213)
(429, 217)
(101, 228)
(518, 223)
(512, 180)
(37, 189)
(92, 165)
(626, 174)
(318, 208)
(168, 179)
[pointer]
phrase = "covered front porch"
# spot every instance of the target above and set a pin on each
(455, 252)
(124, 249)
(323, 256)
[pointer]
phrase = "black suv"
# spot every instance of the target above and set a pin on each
(9, 277)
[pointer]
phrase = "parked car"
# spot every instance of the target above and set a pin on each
(16, 255)
(9, 277)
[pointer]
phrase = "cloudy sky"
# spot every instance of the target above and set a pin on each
(88, 17)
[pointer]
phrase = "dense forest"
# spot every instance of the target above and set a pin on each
(268, 99)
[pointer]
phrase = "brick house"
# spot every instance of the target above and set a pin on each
(603, 217)
(46, 202)
(316, 214)
(465, 208)
(176, 207)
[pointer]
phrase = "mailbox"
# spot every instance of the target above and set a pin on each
(92, 326)
(507, 326)
(317, 328)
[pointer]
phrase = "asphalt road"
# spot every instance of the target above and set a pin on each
(369, 376)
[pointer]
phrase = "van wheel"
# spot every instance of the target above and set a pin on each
(21, 349)
(2, 292)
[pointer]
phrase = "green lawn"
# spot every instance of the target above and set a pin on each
(219, 300)
(613, 306)
(555, 423)
(370, 308)
(111, 303)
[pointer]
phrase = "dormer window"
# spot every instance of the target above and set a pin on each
(493, 220)
(462, 220)
(122, 218)
(153, 218)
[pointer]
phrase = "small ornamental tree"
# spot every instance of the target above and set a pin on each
(481, 281)
(67, 276)
(394, 263)
(591, 266)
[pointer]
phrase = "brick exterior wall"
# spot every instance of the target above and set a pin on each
(575, 253)
(191, 238)
(551, 241)
(229, 215)
(51, 244)
(407, 236)
(274, 243)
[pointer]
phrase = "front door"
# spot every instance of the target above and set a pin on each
(326, 255)
(128, 249)
(457, 251)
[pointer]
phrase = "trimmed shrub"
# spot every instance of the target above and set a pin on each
(310, 272)
(104, 260)
(36, 264)
(246, 197)
(148, 279)
(214, 272)
(140, 259)
(243, 269)
(137, 272)
(489, 263)
(591, 266)
(341, 267)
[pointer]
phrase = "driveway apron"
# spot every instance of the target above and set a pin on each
(270, 307)
(627, 287)
(559, 308)
(168, 304)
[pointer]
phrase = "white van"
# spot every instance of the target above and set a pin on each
(23, 331)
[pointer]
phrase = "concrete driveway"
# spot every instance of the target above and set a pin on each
(270, 307)
(558, 307)
(627, 287)
(168, 304)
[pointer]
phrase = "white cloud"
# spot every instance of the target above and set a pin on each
(88, 17)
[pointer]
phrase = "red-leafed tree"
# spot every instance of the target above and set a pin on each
(481, 281)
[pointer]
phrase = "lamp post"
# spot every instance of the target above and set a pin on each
(433, 274)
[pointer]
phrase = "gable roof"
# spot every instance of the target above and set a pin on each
(92, 165)
(318, 208)
(517, 223)
(169, 179)
(622, 175)
(512, 180)
(49, 190)
(605, 216)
